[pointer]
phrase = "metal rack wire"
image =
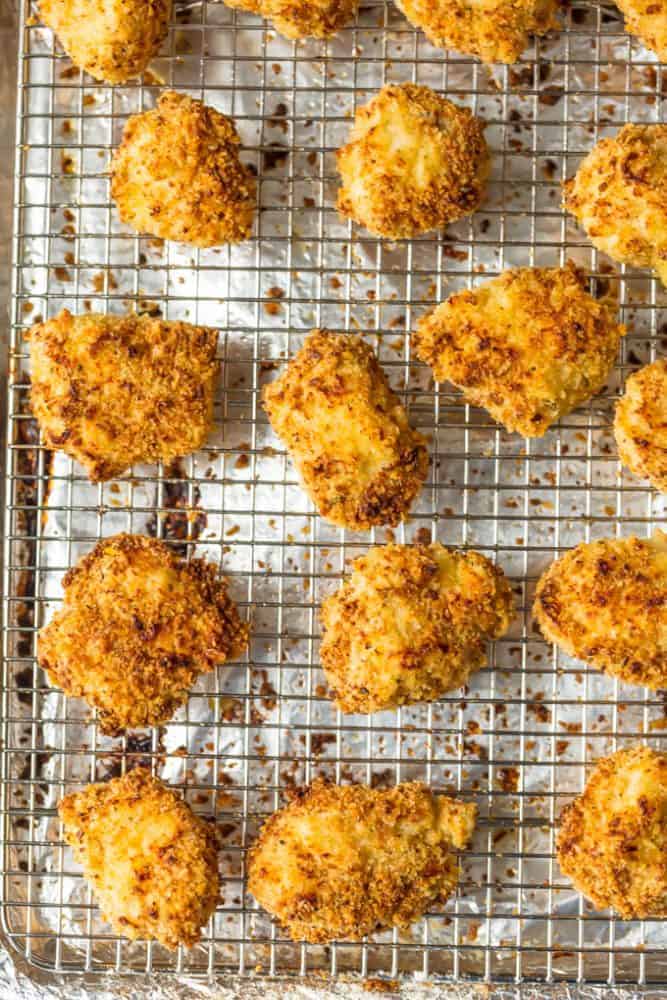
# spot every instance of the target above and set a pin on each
(519, 739)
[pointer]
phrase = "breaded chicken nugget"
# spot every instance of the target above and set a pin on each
(113, 40)
(137, 627)
(612, 841)
(113, 390)
(640, 425)
(494, 30)
(528, 346)
(619, 195)
(344, 861)
(414, 162)
(605, 602)
(152, 863)
(177, 175)
(647, 19)
(302, 18)
(347, 433)
(410, 624)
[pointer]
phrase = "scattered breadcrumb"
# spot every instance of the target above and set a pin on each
(177, 175)
(619, 196)
(348, 434)
(114, 390)
(612, 840)
(410, 624)
(152, 863)
(414, 162)
(136, 628)
(528, 346)
(113, 40)
(344, 861)
(640, 425)
(605, 602)
(302, 18)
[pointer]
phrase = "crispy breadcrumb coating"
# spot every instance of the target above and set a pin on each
(410, 624)
(528, 346)
(113, 40)
(344, 861)
(414, 162)
(137, 627)
(619, 196)
(152, 863)
(612, 841)
(177, 175)
(647, 19)
(347, 433)
(605, 602)
(302, 18)
(113, 390)
(640, 425)
(495, 30)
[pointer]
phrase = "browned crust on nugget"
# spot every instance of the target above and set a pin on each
(347, 433)
(152, 863)
(647, 19)
(619, 196)
(177, 175)
(136, 628)
(497, 31)
(605, 602)
(612, 840)
(110, 391)
(640, 424)
(113, 40)
(414, 162)
(528, 346)
(344, 861)
(302, 18)
(411, 623)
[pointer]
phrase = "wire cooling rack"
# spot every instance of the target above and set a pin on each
(519, 740)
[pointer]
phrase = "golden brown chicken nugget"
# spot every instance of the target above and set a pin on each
(612, 841)
(177, 175)
(414, 162)
(136, 628)
(110, 391)
(528, 346)
(647, 19)
(113, 40)
(152, 863)
(640, 425)
(605, 602)
(344, 861)
(347, 433)
(302, 18)
(619, 196)
(411, 623)
(495, 31)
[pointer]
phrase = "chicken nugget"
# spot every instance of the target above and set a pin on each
(410, 624)
(647, 19)
(177, 175)
(528, 346)
(347, 433)
(137, 627)
(640, 425)
(612, 840)
(414, 162)
(302, 18)
(619, 196)
(342, 861)
(113, 40)
(605, 602)
(152, 863)
(110, 391)
(494, 31)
